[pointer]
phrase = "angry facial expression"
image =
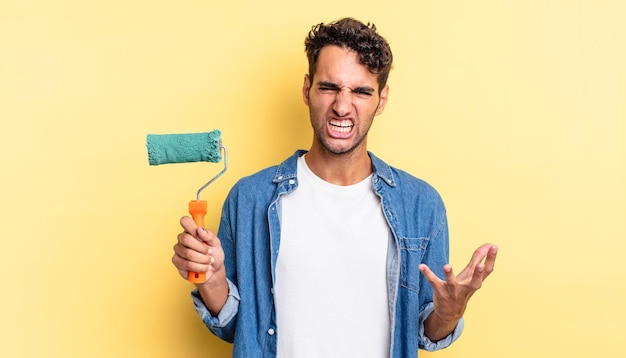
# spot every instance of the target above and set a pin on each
(343, 100)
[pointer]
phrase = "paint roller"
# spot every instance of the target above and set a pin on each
(186, 148)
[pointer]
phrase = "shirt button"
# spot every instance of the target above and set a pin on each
(270, 332)
(280, 177)
(292, 181)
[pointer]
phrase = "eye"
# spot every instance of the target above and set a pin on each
(362, 92)
(328, 89)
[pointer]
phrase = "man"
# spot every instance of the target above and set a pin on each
(333, 253)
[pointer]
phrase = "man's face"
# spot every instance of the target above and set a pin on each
(343, 101)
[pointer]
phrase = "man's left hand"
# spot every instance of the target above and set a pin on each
(452, 295)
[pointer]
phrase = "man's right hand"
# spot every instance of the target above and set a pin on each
(197, 250)
(200, 250)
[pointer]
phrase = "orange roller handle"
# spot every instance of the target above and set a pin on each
(197, 209)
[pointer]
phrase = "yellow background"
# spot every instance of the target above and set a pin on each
(514, 110)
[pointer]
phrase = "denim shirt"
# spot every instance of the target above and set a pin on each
(250, 236)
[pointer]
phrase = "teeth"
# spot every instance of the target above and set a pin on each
(342, 126)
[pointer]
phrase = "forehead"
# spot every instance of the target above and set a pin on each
(341, 66)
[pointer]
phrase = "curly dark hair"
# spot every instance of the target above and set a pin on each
(373, 50)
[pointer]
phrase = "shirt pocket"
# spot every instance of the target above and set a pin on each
(412, 251)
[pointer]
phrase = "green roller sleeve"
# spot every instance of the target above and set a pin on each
(184, 148)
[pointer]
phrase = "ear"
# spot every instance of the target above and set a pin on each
(382, 102)
(306, 87)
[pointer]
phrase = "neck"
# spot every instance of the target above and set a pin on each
(339, 169)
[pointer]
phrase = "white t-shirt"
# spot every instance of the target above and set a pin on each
(331, 282)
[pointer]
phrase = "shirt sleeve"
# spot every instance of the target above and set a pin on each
(222, 324)
(429, 345)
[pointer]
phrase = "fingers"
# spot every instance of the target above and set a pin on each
(190, 259)
(481, 270)
(209, 237)
(188, 225)
(453, 292)
(480, 266)
(197, 249)
(477, 277)
(490, 262)
(184, 265)
(449, 275)
(180, 263)
(202, 234)
(432, 277)
(480, 254)
(487, 253)
(192, 249)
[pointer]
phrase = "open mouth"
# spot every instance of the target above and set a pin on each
(341, 126)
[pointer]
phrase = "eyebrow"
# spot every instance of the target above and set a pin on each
(360, 89)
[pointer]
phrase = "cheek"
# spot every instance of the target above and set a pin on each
(366, 109)
(318, 105)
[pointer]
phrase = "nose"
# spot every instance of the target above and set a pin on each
(343, 102)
